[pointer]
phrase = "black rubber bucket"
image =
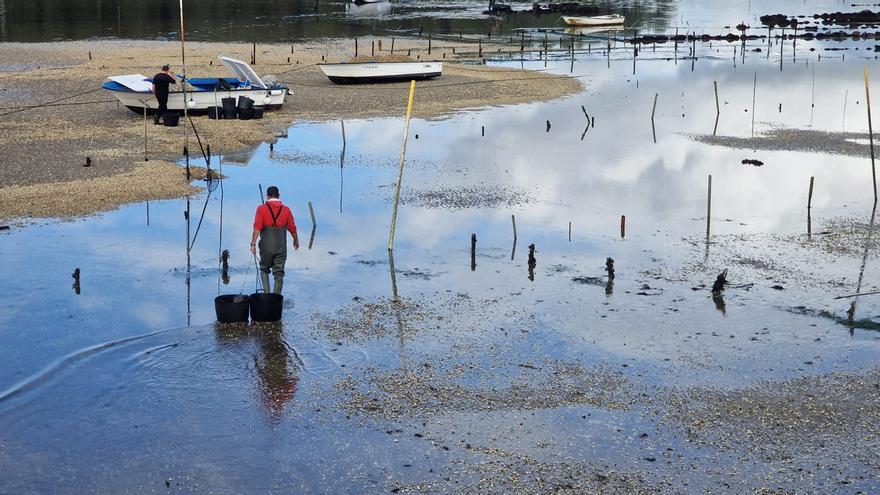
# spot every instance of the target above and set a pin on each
(245, 103)
(258, 113)
(266, 307)
(171, 119)
(245, 113)
(215, 113)
(228, 108)
(232, 308)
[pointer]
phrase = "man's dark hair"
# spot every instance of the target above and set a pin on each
(272, 192)
(165, 67)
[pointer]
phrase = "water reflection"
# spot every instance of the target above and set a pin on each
(276, 364)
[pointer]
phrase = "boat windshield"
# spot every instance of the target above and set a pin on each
(242, 71)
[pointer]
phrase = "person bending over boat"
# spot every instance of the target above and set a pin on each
(272, 222)
(161, 81)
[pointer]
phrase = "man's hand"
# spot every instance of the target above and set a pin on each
(253, 248)
(296, 244)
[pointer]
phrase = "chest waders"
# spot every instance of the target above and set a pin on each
(273, 251)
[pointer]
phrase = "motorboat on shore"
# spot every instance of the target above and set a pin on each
(135, 90)
(372, 72)
(598, 20)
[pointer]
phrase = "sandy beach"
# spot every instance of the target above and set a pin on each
(51, 144)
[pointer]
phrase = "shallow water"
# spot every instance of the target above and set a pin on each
(130, 385)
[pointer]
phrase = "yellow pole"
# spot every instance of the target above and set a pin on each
(412, 90)
(870, 133)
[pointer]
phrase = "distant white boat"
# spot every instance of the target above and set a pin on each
(371, 72)
(134, 90)
(599, 20)
(373, 9)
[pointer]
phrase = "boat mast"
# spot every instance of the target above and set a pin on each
(183, 84)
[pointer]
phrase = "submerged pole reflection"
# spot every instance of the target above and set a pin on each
(851, 313)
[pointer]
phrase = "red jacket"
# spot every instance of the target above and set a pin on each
(274, 214)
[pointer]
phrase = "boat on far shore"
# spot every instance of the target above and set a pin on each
(373, 72)
(598, 20)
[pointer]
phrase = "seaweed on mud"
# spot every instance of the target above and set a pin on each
(775, 417)
(427, 389)
(483, 196)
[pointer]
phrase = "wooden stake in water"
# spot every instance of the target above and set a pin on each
(709, 208)
(312, 214)
(809, 206)
(473, 252)
(754, 92)
(870, 134)
(569, 231)
(717, 108)
(622, 226)
(513, 221)
(412, 90)
(653, 111)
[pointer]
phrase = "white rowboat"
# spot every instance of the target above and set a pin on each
(599, 20)
(371, 72)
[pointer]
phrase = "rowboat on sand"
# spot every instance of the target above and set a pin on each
(135, 90)
(372, 72)
(598, 20)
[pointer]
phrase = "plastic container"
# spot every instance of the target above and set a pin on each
(228, 108)
(266, 307)
(245, 103)
(215, 113)
(245, 113)
(171, 119)
(231, 308)
(258, 113)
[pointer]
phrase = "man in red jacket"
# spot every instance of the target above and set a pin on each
(272, 222)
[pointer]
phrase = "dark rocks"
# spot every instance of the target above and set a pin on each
(750, 161)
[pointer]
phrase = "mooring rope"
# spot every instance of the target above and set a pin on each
(48, 103)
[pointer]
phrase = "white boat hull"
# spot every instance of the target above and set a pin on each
(201, 100)
(601, 20)
(381, 71)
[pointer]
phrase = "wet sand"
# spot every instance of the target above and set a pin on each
(51, 144)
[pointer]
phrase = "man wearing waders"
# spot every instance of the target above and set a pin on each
(271, 224)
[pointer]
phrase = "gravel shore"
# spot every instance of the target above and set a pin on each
(51, 144)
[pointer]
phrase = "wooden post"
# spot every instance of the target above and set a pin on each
(355, 47)
(312, 214)
(513, 221)
(473, 252)
(412, 90)
(809, 206)
(145, 130)
(654, 110)
(870, 134)
(754, 92)
(373, 48)
(709, 208)
(717, 108)
(483, 131)
(429, 43)
(569, 231)
(622, 226)
(392, 45)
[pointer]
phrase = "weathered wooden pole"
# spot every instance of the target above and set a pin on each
(754, 92)
(870, 133)
(709, 207)
(622, 226)
(312, 214)
(412, 90)
(717, 108)
(473, 252)
(513, 221)
(809, 206)
(392, 45)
